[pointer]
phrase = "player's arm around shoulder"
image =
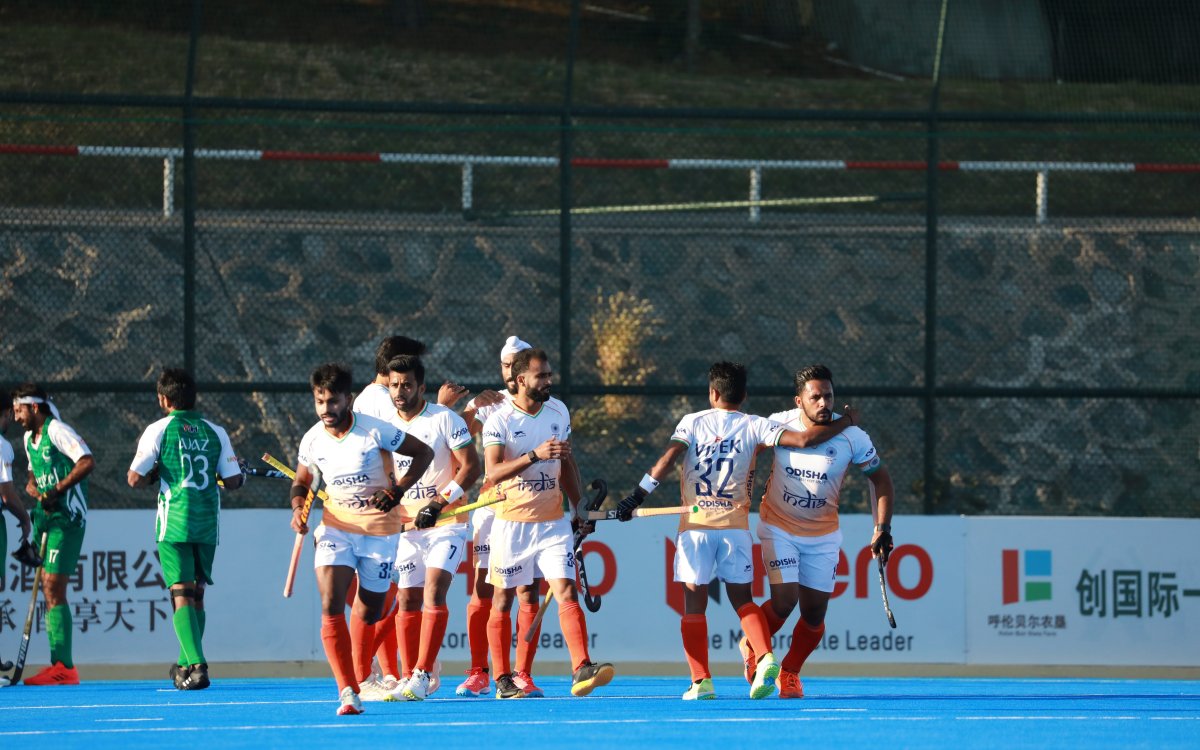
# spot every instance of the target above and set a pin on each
(817, 434)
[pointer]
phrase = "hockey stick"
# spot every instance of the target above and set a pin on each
(23, 651)
(298, 547)
(612, 515)
(445, 520)
(591, 602)
(887, 608)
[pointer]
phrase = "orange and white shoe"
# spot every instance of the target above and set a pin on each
(524, 681)
(55, 674)
(477, 683)
(749, 660)
(789, 685)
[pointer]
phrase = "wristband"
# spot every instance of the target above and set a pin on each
(648, 484)
(532, 456)
(451, 492)
(885, 528)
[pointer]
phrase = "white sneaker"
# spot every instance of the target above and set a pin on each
(418, 686)
(397, 694)
(350, 704)
(389, 683)
(371, 690)
(435, 678)
(5, 682)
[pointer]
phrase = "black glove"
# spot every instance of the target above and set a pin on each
(626, 507)
(27, 555)
(881, 548)
(385, 500)
(581, 527)
(428, 516)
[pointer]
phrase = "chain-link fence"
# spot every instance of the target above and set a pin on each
(991, 241)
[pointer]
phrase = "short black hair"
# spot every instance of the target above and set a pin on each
(409, 363)
(332, 377)
(523, 358)
(395, 346)
(26, 390)
(812, 372)
(177, 386)
(728, 379)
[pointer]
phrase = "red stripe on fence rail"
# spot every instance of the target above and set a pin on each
(17, 148)
(1166, 167)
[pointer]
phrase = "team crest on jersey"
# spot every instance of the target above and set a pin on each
(554, 428)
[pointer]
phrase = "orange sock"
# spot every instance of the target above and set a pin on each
(433, 630)
(804, 641)
(574, 630)
(499, 630)
(774, 621)
(525, 651)
(694, 629)
(335, 636)
(386, 645)
(408, 636)
(754, 625)
(362, 646)
(477, 631)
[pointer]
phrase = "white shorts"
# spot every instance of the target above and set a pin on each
(520, 548)
(440, 547)
(702, 554)
(810, 561)
(481, 533)
(371, 556)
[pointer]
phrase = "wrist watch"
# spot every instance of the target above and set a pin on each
(532, 456)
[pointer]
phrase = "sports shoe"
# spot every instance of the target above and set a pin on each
(396, 694)
(389, 682)
(55, 674)
(749, 661)
(417, 687)
(764, 677)
(371, 690)
(350, 703)
(790, 685)
(700, 690)
(196, 678)
(524, 681)
(506, 689)
(476, 684)
(5, 682)
(177, 672)
(590, 676)
(435, 678)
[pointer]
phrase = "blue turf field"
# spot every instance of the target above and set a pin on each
(881, 713)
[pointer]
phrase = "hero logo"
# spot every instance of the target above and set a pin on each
(863, 581)
(352, 479)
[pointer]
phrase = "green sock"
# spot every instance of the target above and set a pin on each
(58, 630)
(200, 618)
(187, 630)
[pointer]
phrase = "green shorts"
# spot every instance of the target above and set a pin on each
(184, 562)
(64, 540)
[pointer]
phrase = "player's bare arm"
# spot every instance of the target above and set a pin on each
(300, 489)
(498, 470)
(882, 495)
(84, 466)
(660, 471)
(421, 455)
(818, 433)
(13, 504)
(466, 466)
